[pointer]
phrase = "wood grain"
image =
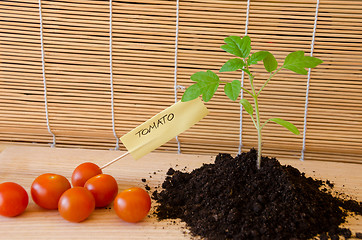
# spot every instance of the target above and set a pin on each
(22, 164)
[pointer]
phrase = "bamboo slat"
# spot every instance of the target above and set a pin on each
(77, 70)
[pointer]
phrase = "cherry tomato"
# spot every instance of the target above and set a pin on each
(76, 204)
(47, 189)
(84, 172)
(132, 205)
(13, 199)
(104, 189)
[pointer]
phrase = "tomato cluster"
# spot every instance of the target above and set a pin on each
(91, 189)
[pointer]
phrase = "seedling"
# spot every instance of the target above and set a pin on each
(208, 82)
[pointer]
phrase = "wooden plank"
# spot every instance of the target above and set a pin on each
(23, 164)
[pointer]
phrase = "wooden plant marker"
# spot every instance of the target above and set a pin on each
(161, 128)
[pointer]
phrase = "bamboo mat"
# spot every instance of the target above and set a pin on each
(22, 164)
(77, 70)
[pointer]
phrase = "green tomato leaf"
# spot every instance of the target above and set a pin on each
(207, 84)
(256, 57)
(232, 90)
(245, 46)
(297, 62)
(286, 124)
(191, 93)
(237, 46)
(208, 89)
(231, 49)
(294, 62)
(247, 106)
(312, 62)
(232, 65)
(208, 76)
(270, 63)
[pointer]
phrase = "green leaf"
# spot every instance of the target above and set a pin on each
(208, 76)
(247, 106)
(237, 46)
(286, 124)
(208, 89)
(256, 57)
(245, 46)
(297, 62)
(207, 84)
(232, 65)
(312, 62)
(232, 90)
(191, 93)
(270, 63)
(294, 62)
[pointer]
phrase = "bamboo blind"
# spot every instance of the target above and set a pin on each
(77, 68)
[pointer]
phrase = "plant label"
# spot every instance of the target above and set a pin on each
(163, 127)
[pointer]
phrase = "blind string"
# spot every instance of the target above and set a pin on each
(44, 78)
(242, 85)
(308, 82)
(111, 75)
(176, 87)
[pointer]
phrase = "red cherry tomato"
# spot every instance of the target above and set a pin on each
(76, 204)
(13, 199)
(84, 172)
(47, 189)
(132, 205)
(104, 189)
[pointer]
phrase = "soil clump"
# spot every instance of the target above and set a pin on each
(232, 199)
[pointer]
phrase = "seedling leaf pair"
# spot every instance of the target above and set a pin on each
(207, 84)
(270, 63)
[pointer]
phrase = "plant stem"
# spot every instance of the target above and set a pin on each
(258, 128)
(257, 115)
(267, 81)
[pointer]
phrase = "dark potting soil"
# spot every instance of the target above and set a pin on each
(232, 199)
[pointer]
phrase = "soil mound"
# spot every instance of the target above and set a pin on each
(231, 199)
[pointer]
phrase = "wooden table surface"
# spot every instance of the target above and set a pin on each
(22, 164)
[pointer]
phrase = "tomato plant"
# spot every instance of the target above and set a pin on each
(104, 189)
(208, 82)
(84, 172)
(47, 189)
(13, 199)
(76, 204)
(132, 205)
